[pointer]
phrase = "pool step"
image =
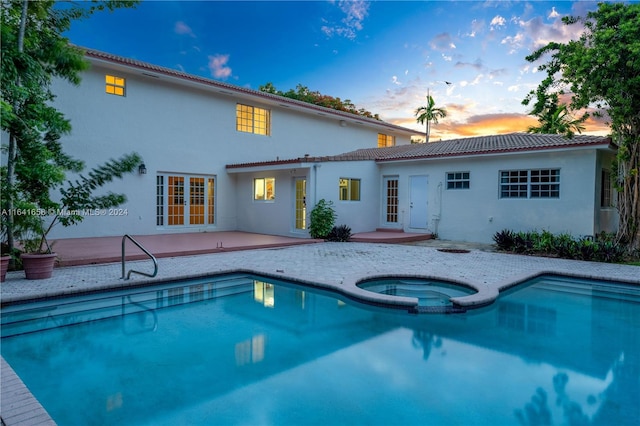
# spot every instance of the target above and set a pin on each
(64, 312)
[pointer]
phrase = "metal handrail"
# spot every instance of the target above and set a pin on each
(155, 262)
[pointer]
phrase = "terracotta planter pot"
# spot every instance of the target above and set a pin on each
(4, 263)
(38, 266)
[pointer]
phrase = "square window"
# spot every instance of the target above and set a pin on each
(264, 189)
(349, 189)
(114, 85)
(251, 119)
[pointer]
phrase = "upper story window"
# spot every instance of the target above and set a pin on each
(253, 120)
(114, 85)
(386, 140)
(458, 180)
(264, 189)
(542, 183)
(349, 189)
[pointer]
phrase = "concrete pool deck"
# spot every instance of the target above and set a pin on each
(335, 266)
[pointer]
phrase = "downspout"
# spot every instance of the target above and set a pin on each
(315, 184)
(437, 217)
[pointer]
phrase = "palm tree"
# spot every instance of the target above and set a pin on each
(428, 114)
(556, 119)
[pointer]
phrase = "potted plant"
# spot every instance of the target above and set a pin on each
(37, 258)
(22, 225)
(31, 221)
(4, 264)
(34, 162)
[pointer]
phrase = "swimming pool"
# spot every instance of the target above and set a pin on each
(243, 349)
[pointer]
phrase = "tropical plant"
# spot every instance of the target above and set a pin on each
(340, 233)
(34, 52)
(504, 239)
(601, 69)
(428, 114)
(565, 246)
(523, 242)
(322, 219)
(555, 118)
(601, 248)
(544, 242)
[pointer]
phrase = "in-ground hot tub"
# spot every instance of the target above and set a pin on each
(432, 295)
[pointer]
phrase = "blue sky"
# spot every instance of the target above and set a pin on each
(383, 56)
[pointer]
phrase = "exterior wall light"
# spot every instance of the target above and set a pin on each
(142, 169)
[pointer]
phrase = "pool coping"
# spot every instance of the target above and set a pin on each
(19, 406)
(348, 287)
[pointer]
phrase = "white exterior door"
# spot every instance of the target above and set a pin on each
(418, 201)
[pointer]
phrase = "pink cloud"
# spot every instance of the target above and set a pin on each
(218, 66)
(183, 29)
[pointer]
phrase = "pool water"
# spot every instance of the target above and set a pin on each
(428, 292)
(247, 350)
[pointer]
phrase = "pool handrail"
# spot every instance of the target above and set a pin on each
(153, 258)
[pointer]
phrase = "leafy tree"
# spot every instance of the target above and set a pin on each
(304, 94)
(555, 118)
(34, 52)
(602, 69)
(428, 114)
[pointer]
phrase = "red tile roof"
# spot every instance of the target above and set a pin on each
(481, 145)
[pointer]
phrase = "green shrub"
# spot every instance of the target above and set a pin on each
(602, 248)
(504, 239)
(587, 248)
(544, 242)
(565, 246)
(523, 242)
(609, 251)
(322, 218)
(340, 233)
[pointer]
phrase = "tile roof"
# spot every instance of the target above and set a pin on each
(225, 87)
(512, 142)
(481, 145)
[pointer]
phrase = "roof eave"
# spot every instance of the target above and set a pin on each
(154, 71)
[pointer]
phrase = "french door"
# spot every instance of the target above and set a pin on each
(300, 203)
(183, 200)
(390, 200)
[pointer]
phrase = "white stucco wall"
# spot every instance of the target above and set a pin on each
(185, 130)
(360, 216)
(475, 214)
(277, 217)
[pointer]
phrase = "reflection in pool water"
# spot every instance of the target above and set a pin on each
(244, 349)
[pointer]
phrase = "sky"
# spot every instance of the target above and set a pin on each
(384, 56)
